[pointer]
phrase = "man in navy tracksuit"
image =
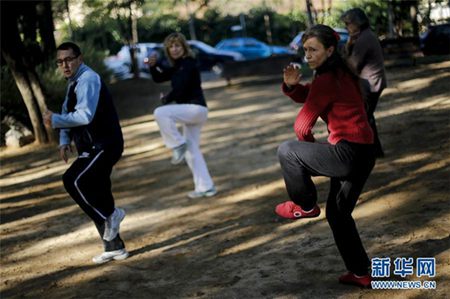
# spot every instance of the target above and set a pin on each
(89, 119)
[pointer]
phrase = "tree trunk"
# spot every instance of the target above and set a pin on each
(20, 63)
(268, 30)
(310, 17)
(22, 82)
(69, 19)
(191, 21)
(37, 89)
(133, 49)
(243, 24)
(391, 33)
(46, 28)
(414, 9)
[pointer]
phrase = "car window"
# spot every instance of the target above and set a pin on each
(232, 44)
(297, 39)
(252, 45)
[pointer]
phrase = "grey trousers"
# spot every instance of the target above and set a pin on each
(348, 165)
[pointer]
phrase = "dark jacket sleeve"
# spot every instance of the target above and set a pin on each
(160, 73)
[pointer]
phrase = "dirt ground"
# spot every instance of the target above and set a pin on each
(232, 245)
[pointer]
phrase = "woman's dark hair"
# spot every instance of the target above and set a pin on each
(328, 38)
(70, 45)
(357, 17)
(325, 34)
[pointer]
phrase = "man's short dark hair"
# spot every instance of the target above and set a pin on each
(70, 45)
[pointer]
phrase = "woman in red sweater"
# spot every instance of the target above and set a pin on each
(348, 157)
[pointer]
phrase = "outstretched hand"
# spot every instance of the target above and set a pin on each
(291, 75)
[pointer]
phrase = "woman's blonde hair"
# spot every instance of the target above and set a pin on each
(177, 37)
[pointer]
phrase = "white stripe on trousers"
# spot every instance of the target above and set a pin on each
(81, 193)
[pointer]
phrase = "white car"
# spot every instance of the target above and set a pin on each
(208, 58)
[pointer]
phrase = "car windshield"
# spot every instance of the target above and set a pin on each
(297, 38)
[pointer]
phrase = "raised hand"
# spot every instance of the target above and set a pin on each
(291, 75)
(151, 60)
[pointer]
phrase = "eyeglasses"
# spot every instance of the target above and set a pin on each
(60, 62)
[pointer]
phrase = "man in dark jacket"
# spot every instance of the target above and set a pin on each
(89, 119)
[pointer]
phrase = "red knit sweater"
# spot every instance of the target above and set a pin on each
(336, 99)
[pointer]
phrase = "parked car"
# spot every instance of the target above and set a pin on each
(143, 50)
(208, 58)
(251, 48)
(436, 40)
(118, 68)
(296, 43)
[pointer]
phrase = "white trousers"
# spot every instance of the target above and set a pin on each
(191, 117)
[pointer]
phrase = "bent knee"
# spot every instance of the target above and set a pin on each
(68, 180)
(285, 149)
(159, 112)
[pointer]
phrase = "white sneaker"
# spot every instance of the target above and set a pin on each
(112, 224)
(178, 154)
(107, 256)
(208, 193)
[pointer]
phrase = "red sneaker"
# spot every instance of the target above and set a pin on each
(290, 210)
(360, 281)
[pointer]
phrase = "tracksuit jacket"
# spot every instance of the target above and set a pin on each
(185, 81)
(88, 115)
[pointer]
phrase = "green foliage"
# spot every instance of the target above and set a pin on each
(214, 27)
(156, 28)
(105, 29)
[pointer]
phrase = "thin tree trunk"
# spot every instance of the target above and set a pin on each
(37, 89)
(308, 9)
(70, 29)
(268, 30)
(191, 21)
(46, 28)
(132, 20)
(391, 33)
(243, 24)
(414, 9)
